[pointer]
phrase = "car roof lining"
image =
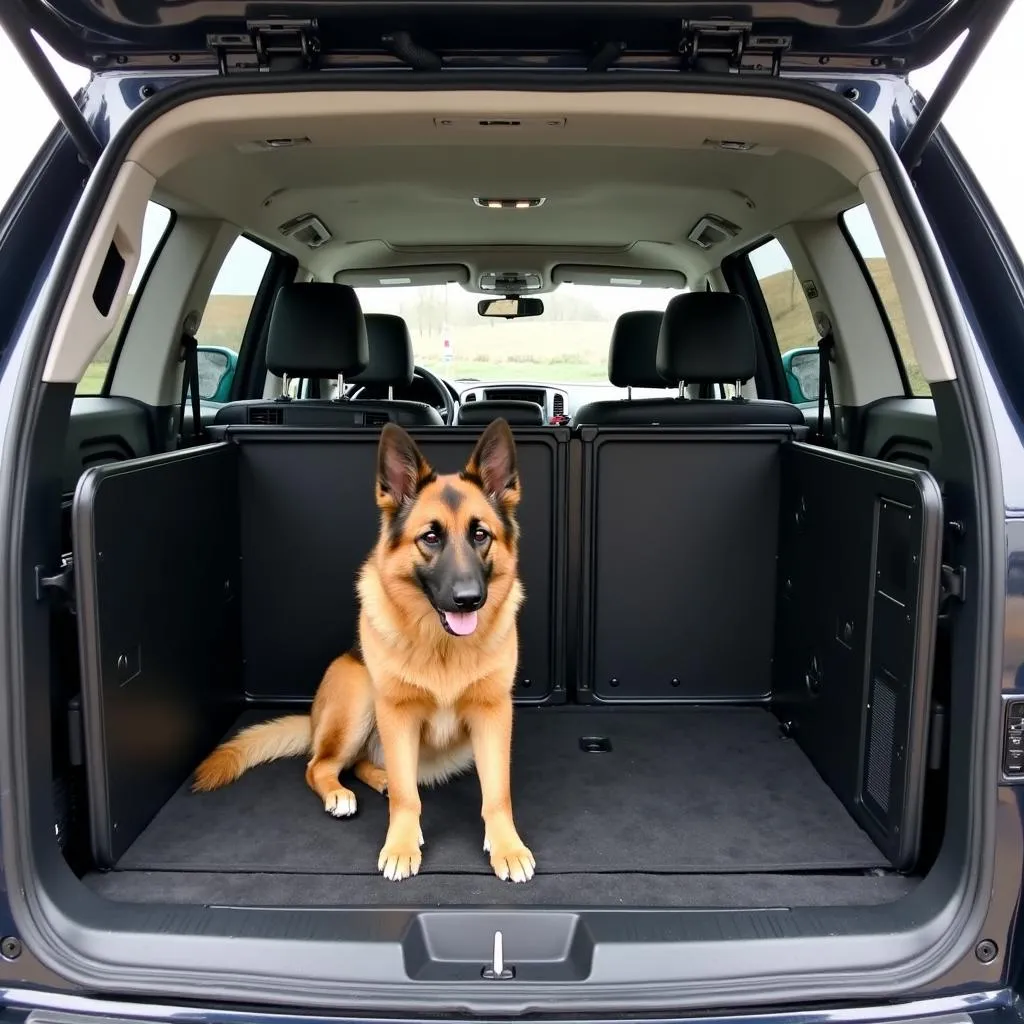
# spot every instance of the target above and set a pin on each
(201, 151)
(619, 190)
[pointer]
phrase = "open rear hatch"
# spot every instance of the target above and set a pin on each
(842, 823)
(767, 36)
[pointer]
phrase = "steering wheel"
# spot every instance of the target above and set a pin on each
(448, 415)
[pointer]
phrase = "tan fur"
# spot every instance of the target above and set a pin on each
(414, 705)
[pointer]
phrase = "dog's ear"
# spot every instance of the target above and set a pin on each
(493, 463)
(401, 469)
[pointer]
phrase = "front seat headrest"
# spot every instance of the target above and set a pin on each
(632, 355)
(391, 359)
(707, 338)
(316, 330)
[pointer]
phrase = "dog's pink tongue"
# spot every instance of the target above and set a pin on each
(461, 623)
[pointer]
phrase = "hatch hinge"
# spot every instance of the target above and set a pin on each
(272, 44)
(724, 46)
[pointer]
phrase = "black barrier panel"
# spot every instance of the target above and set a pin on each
(678, 564)
(859, 557)
(309, 521)
(157, 576)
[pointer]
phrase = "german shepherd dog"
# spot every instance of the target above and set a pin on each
(428, 688)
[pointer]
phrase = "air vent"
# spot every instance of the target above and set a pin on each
(471, 397)
(266, 416)
(710, 230)
(375, 419)
(558, 404)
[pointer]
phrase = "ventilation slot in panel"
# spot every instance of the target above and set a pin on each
(266, 417)
(558, 404)
(881, 738)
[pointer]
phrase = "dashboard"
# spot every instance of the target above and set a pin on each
(556, 399)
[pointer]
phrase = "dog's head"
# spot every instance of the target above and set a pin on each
(452, 540)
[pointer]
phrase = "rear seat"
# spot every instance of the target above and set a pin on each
(679, 512)
(703, 338)
(317, 330)
(647, 547)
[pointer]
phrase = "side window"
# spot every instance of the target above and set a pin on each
(234, 291)
(155, 226)
(791, 317)
(226, 317)
(860, 230)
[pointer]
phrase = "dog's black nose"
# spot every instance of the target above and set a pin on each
(468, 595)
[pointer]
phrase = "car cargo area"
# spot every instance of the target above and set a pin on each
(652, 807)
(718, 706)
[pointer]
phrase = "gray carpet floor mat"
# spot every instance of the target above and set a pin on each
(695, 790)
(726, 892)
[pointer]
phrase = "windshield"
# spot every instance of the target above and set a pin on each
(567, 344)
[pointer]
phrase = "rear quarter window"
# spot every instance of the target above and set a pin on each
(860, 231)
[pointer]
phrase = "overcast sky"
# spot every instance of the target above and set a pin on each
(980, 120)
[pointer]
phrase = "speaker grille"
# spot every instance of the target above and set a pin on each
(881, 735)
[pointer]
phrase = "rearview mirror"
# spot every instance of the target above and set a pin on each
(510, 308)
(216, 372)
(801, 368)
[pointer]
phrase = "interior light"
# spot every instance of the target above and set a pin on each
(509, 204)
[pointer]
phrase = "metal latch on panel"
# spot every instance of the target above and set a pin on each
(720, 45)
(273, 44)
(952, 584)
(58, 586)
(1013, 740)
(498, 970)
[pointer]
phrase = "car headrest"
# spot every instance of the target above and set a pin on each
(632, 355)
(316, 330)
(707, 338)
(521, 414)
(391, 359)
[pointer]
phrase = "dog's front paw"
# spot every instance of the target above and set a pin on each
(511, 860)
(400, 858)
(340, 803)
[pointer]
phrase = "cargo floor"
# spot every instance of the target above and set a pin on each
(675, 791)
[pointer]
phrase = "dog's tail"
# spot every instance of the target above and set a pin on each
(289, 736)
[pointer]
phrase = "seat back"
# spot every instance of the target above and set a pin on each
(317, 330)
(704, 338)
(391, 364)
(632, 363)
(300, 557)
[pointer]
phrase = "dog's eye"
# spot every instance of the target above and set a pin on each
(431, 539)
(480, 536)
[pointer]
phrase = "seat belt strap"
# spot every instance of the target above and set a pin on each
(826, 356)
(190, 386)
